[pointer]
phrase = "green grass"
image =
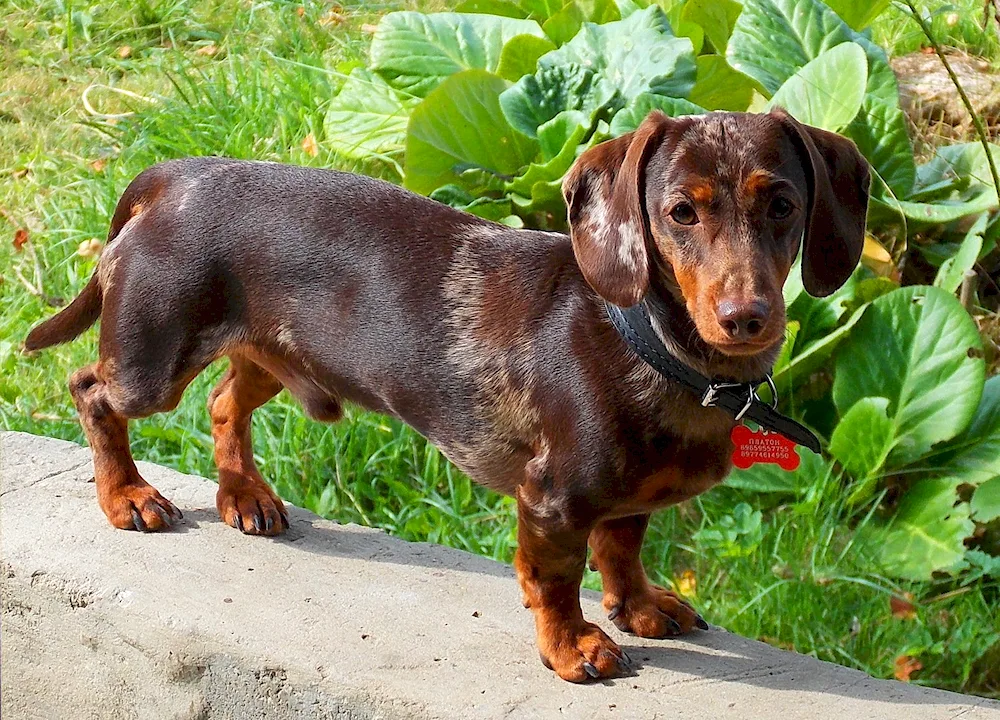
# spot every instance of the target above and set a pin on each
(957, 22)
(797, 580)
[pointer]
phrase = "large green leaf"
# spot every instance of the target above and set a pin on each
(918, 347)
(602, 69)
(368, 117)
(415, 52)
(719, 87)
(974, 456)
(504, 8)
(826, 92)
(963, 163)
(542, 10)
(812, 356)
(519, 56)
(955, 183)
(920, 214)
(952, 271)
(565, 24)
(459, 127)
(985, 502)
(927, 533)
(822, 326)
(772, 39)
(716, 17)
(629, 118)
(863, 437)
(497, 210)
(859, 14)
(819, 316)
(538, 188)
(553, 135)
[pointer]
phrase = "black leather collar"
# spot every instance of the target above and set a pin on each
(739, 399)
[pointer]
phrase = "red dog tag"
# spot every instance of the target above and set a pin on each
(762, 446)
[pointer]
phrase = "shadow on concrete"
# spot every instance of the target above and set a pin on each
(726, 657)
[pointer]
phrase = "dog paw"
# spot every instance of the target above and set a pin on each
(252, 508)
(583, 653)
(653, 613)
(139, 506)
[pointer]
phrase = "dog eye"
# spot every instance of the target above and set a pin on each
(780, 208)
(684, 214)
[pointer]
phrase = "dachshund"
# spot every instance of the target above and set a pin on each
(494, 343)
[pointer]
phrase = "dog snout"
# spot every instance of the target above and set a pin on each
(742, 320)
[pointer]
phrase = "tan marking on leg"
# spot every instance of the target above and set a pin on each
(633, 603)
(128, 501)
(244, 499)
(549, 562)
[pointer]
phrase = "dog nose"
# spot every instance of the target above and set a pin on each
(743, 321)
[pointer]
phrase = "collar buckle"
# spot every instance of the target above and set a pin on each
(711, 395)
(712, 392)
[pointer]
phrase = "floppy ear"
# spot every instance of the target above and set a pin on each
(605, 195)
(839, 180)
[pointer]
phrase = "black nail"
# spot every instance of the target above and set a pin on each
(615, 611)
(164, 515)
(700, 622)
(269, 524)
(137, 521)
(591, 670)
(239, 523)
(256, 522)
(627, 658)
(175, 511)
(284, 519)
(675, 627)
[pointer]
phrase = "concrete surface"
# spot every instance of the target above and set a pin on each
(333, 622)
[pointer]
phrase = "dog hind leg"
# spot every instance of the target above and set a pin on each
(128, 501)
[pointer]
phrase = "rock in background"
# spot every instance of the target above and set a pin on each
(928, 95)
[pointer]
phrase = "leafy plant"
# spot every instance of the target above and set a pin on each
(490, 106)
(911, 404)
(733, 535)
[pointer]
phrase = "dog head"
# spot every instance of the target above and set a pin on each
(714, 208)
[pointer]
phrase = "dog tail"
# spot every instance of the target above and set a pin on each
(77, 317)
(85, 310)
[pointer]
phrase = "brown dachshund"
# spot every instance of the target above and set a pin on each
(493, 343)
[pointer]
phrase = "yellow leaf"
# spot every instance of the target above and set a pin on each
(332, 17)
(687, 584)
(89, 248)
(309, 145)
(902, 608)
(877, 259)
(905, 666)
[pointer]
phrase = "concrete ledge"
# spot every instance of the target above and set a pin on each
(333, 622)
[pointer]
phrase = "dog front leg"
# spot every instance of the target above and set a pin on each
(633, 603)
(551, 553)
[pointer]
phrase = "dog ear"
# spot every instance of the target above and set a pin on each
(606, 196)
(839, 179)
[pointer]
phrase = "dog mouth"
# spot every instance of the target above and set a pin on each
(742, 349)
(769, 341)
